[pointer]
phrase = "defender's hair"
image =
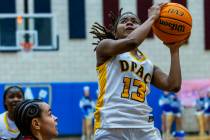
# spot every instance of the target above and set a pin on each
(24, 113)
(101, 32)
(8, 90)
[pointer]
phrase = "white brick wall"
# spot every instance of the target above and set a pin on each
(75, 60)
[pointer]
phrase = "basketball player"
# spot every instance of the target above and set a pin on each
(35, 120)
(124, 77)
(12, 96)
(87, 106)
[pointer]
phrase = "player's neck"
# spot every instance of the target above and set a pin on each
(39, 136)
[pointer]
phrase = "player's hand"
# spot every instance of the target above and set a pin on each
(174, 44)
(177, 44)
(154, 11)
(174, 47)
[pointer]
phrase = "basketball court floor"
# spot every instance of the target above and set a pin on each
(186, 138)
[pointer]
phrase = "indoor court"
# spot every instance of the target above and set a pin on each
(48, 48)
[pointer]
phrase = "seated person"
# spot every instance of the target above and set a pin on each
(207, 111)
(165, 104)
(177, 115)
(200, 106)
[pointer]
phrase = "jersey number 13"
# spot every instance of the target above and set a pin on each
(139, 95)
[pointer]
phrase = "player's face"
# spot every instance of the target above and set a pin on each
(48, 122)
(127, 23)
(13, 97)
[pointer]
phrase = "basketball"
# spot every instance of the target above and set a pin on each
(174, 23)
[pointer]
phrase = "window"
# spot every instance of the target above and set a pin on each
(43, 26)
(7, 25)
(77, 28)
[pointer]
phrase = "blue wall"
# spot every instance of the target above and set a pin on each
(64, 99)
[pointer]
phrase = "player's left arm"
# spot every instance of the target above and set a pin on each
(163, 81)
(172, 81)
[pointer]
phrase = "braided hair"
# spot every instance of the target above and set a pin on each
(13, 89)
(101, 32)
(24, 113)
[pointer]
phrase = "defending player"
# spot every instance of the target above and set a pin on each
(35, 120)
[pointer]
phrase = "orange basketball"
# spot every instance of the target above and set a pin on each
(174, 23)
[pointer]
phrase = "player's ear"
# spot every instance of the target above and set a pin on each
(35, 123)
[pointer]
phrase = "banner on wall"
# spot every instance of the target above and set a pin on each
(192, 90)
